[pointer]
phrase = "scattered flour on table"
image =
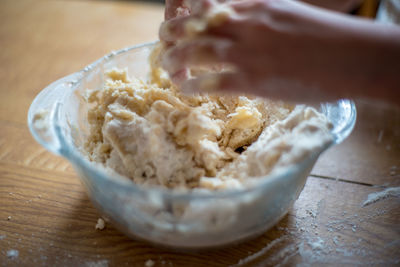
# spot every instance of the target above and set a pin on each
(102, 263)
(149, 263)
(336, 240)
(2, 237)
(377, 196)
(318, 244)
(260, 252)
(12, 254)
(394, 170)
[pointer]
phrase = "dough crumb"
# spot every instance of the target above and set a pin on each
(149, 263)
(9, 218)
(100, 225)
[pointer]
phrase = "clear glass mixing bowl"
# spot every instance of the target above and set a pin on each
(57, 120)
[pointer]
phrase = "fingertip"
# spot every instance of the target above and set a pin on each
(173, 29)
(180, 76)
(166, 32)
(173, 8)
(162, 32)
(168, 62)
(199, 6)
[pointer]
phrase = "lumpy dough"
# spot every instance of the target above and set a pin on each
(152, 134)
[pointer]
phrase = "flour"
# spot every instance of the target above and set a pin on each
(261, 252)
(377, 196)
(12, 254)
(317, 244)
(102, 263)
(149, 263)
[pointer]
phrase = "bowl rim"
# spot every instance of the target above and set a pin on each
(103, 175)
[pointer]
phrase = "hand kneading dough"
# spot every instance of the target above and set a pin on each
(154, 135)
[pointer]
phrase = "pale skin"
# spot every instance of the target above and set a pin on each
(286, 50)
(337, 5)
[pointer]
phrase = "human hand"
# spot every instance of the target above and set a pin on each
(175, 8)
(256, 39)
(276, 48)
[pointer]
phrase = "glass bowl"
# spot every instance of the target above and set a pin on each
(57, 120)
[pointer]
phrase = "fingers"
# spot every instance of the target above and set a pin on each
(204, 51)
(171, 8)
(238, 83)
(255, 5)
(198, 7)
(180, 76)
(181, 8)
(227, 82)
(173, 29)
(181, 28)
(199, 21)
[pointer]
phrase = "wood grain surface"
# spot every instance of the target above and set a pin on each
(46, 216)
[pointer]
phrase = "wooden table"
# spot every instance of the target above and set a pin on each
(47, 218)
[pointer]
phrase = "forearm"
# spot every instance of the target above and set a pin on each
(362, 57)
(378, 57)
(336, 5)
(372, 58)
